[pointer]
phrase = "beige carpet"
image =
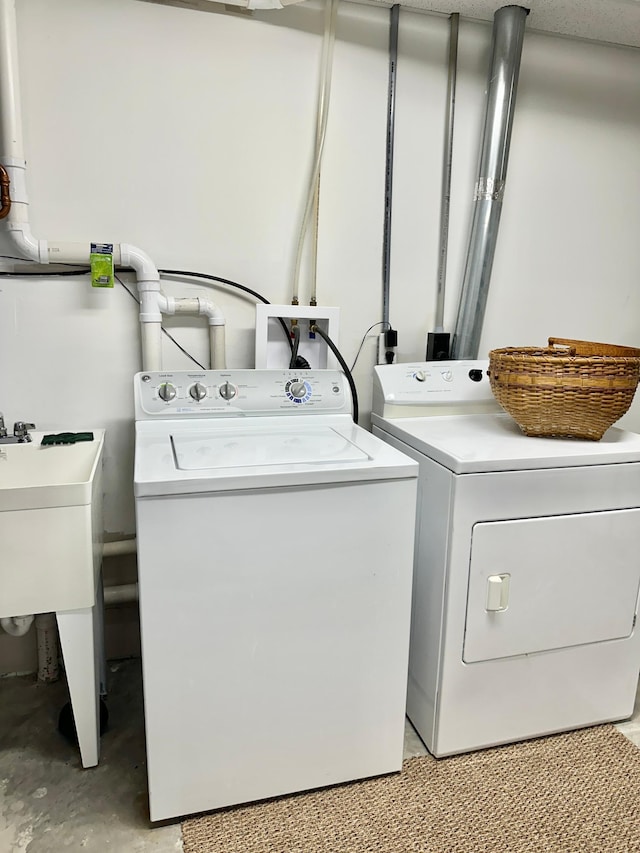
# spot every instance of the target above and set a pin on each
(570, 793)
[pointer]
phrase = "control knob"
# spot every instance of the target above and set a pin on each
(420, 375)
(228, 391)
(197, 392)
(298, 389)
(167, 392)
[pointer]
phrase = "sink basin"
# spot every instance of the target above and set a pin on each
(33, 477)
(50, 525)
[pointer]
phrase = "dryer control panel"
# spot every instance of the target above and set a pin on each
(420, 389)
(223, 393)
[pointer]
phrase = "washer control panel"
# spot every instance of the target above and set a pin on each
(213, 393)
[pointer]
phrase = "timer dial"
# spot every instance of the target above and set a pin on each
(197, 392)
(227, 391)
(167, 392)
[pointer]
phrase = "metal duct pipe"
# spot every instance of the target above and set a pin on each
(508, 34)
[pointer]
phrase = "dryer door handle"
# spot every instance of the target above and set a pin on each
(497, 593)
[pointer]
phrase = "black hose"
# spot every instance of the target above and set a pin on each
(343, 364)
(294, 348)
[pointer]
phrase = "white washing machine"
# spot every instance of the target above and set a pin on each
(527, 565)
(275, 548)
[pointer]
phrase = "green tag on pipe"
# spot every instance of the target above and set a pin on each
(101, 261)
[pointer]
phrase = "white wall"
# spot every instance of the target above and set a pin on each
(188, 133)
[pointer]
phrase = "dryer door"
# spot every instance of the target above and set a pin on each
(547, 583)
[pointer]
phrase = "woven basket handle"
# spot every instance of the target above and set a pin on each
(562, 344)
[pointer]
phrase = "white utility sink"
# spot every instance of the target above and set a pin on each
(51, 532)
(50, 525)
(34, 477)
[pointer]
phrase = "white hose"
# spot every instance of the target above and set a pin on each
(331, 13)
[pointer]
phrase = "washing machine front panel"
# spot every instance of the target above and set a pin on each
(275, 638)
(540, 584)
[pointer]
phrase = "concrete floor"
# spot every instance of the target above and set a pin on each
(48, 804)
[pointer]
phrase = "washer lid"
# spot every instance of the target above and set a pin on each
(176, 458)
(469, 444)
(234, 448)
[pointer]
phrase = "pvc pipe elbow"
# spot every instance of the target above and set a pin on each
(26, 244)
(140, 262)
(209, 309)
(16, 626)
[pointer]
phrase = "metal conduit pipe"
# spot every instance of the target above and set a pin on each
(508, 35)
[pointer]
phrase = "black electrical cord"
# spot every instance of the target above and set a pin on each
(188, 273)
(343, 364)
(300, 362)
(86, 272)
(364, 337)
(235, 284)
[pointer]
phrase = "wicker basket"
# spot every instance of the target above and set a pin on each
(572, 389)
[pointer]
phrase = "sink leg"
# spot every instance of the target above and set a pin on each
(78, 631)
(99, 635)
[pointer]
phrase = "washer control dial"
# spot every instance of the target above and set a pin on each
(227, 391)
(167, 392)
(198, 391)
(420, 375)
(298, 391)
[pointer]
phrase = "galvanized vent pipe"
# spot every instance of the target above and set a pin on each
(508, 34)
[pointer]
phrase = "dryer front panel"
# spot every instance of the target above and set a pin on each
(539, 584)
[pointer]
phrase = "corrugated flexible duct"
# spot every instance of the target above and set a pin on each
(508, 34)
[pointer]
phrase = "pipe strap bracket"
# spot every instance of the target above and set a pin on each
(489, 189)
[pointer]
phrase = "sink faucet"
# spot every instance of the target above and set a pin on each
(20, 432)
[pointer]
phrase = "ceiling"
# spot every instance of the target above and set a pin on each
(616, 21)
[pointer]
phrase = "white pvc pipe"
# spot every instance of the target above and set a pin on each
(217, 347)
(17, 222)
(205, 308)
(10, 115)
(122, 594)
(17, 626)
(118, 548)
(152, 300)
(47, 635)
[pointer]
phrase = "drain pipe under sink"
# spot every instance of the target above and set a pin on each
(16, 626)
(120, 593)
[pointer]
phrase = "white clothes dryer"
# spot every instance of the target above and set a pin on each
(275, 549)
(527, 566)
